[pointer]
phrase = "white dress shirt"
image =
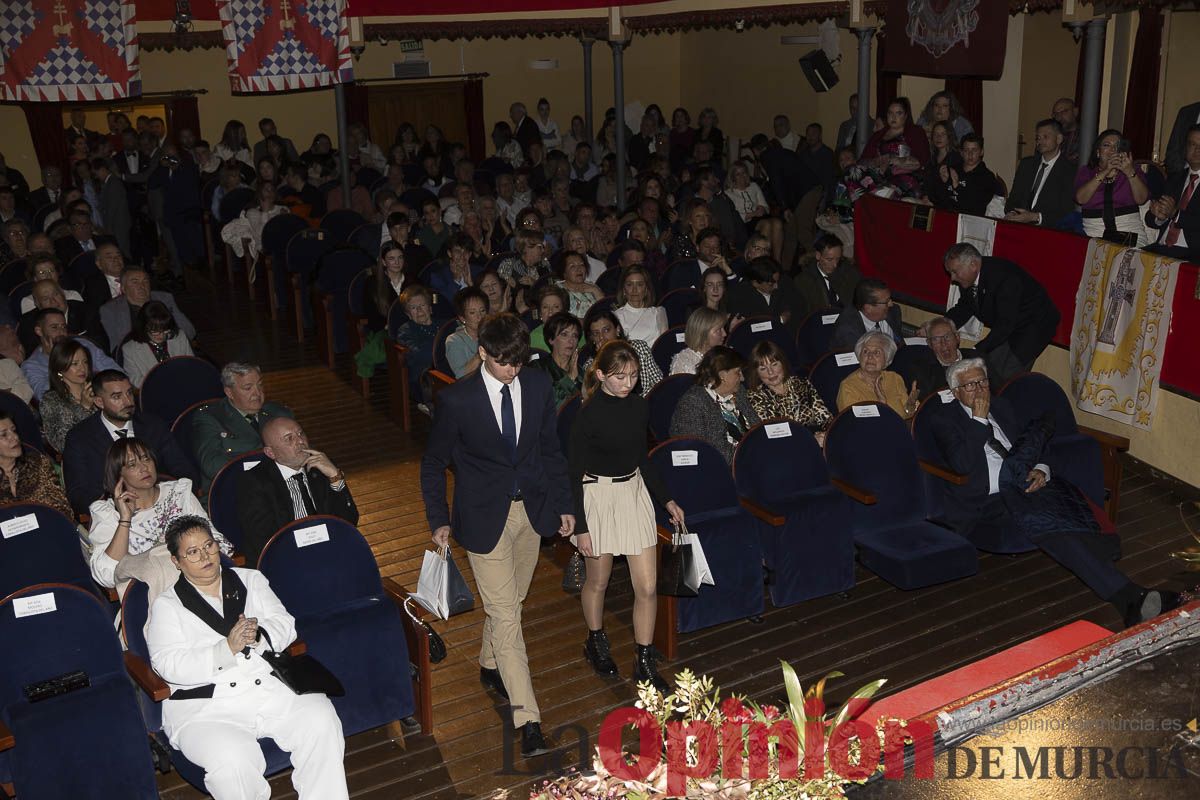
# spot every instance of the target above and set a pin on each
(112, 429)
(493, 386)
(1045, 177)
(869, 325)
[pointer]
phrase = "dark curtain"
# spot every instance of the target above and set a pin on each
(1141, 99)
(358, 108)
(183, 112)
(476, 137)
(887, 84)
(49, 137)
(969, 92)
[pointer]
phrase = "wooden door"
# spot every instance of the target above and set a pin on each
(441, 104)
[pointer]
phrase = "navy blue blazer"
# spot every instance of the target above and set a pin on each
(466, 436)
(960, 441)
(87, 446)
(442, 282)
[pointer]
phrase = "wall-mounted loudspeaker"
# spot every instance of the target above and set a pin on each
(819, 71)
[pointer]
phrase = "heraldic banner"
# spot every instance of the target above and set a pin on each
(68, 50)
(1122, 316)
(273, 45)
(946, 38)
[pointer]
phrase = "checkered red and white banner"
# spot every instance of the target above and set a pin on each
(72, 50)
(273, 45)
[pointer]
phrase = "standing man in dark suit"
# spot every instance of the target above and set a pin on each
(114, 203)
(50, 192)
(1043, 190)
(88, 442)
(525, 130)
(1187, 117)
(974, 437)
(826, 278)
(497, 429)
(873, 310)
(293, 483)
(1008, 300)
(1176, 214)
(226, 429)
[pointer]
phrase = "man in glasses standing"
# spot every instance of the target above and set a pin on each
(1009, 504)
(1009, 301)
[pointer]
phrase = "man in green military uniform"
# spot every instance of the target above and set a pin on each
(225, 429)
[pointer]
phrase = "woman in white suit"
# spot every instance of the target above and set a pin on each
(204, 641)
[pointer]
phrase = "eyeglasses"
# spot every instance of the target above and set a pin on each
(945, 337)
(974, 386)
(195, 554)
(889, 303)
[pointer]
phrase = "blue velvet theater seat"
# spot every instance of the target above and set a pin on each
(827, 376)
(698, 479)
(174, 385)
(223, 495)
(813, 336)
(134, 615)
(87, 744)
(668, 343)
(876, 454)
(348, 622)
(49, 553)
(753, 330)
(662, 399)
(812, 552)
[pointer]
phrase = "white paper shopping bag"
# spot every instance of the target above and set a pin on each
(702, 574)
(433, 585)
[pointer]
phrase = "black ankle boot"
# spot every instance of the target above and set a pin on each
(598, 653)
(645, 669)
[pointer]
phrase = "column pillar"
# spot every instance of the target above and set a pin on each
(1093, 69)
(863, 126)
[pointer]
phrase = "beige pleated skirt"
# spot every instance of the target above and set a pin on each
(620, 516)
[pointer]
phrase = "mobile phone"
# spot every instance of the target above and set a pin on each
(1124, 146)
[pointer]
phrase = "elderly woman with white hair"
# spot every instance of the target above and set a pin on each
(873, 382)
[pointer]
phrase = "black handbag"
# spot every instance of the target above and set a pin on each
(459, 598)
(437, 647)
(303, 674)
(677, 563)
(574, 574)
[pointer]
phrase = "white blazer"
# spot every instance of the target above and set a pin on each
(188, 654)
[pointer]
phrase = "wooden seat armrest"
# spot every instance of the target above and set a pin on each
(297, 648)
(150, 681)
(111, 594)
(7, 740)
(418, 650)
(854, 492)
(238, 559)
(1112, 440)
(941, 472)
(762, 512)
(664, 535)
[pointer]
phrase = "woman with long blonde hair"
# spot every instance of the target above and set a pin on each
(612, 481)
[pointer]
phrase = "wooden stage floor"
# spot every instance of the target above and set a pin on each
(879, 632)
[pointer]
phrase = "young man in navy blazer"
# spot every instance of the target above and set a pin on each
(498, 428)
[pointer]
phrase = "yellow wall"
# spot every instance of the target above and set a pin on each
(1048, 65)
(749, 77)
(17, 145)
(1180, 84)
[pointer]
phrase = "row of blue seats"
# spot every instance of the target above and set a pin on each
(347, 616)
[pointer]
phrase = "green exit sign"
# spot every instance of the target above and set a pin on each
(411, 46)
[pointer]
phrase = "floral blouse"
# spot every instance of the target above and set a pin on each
(175, 499)
(800, 403)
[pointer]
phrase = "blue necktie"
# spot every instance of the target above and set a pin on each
(508, 428)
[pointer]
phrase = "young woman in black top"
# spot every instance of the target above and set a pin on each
(613, 481)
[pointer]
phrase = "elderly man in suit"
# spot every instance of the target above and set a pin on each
(945, 350)
(497, 428)
(1007, 299)
(873, 310)
(88, 442)
(226, 429)
(1176, 214)
(1043, 190)
(976, 436)
(52, 180)
(294, 482)
(117, 314)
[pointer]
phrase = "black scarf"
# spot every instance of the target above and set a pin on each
(233, 599)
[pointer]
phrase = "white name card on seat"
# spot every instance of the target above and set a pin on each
(18, 525)
(914, 340)
(307, 536)
(946, 395)
(33, 605)
(829, 319)
(679, 336)
(845, 359)
(685, 458)
(778, 430)
(534, 356)
(866, 411)
(759, 327)
(249, 465)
